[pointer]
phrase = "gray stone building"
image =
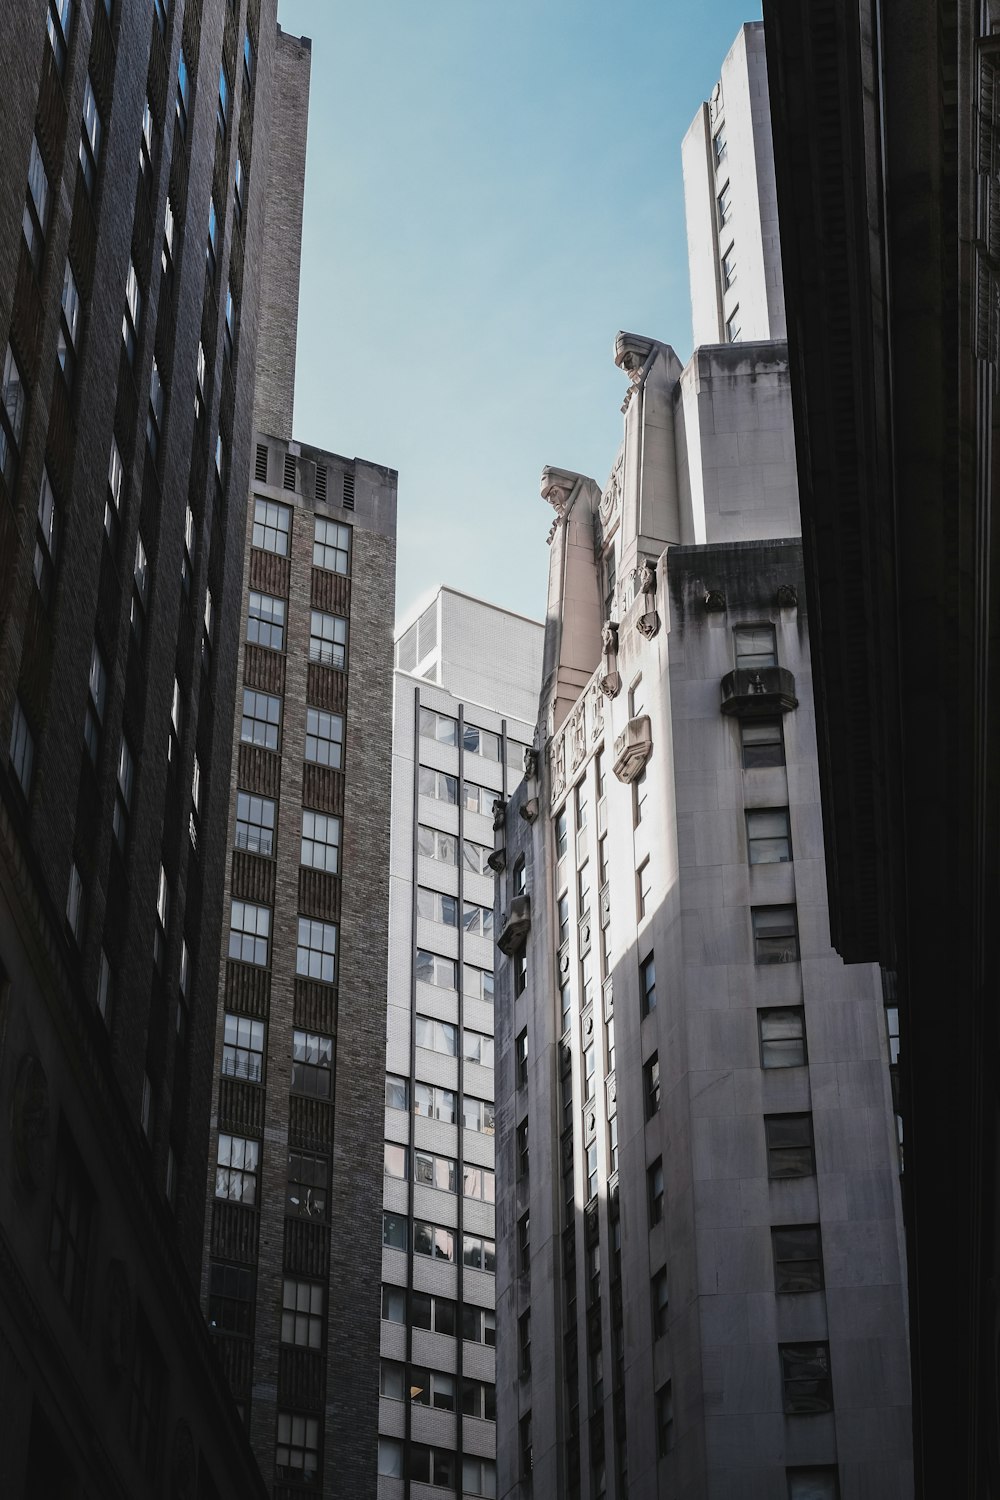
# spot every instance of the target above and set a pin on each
(466, 688)
(131, 225)
(290, 1280)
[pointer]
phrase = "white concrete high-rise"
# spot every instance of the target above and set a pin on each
(466, 690)
(731, 206)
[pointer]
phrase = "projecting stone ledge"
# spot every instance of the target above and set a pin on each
(758, 692)
(517, 925)
(632, 749)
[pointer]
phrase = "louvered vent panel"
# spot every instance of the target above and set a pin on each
(427, 625)
(288, 481)
(406, 650)
(260, 468)
(321, 483)
(349, 490)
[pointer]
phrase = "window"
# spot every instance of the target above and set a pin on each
(394, 1231)
(521, 1059)
(390, 1457)
(439, 727)
(478, 1114)
(479, 1476)
(562, 834)
(238, 184)
(261, 722)
(665, 1419)
(243, 1048)
(813, 1484)
(229, 334)
(729, 268)
(320, 841)
(790, 1149)
(798, 1258)
(90, 137)
(22, 748)
(105, 987)
(296, 1454)
(312, 1064)
(302, 1314)
(591, 1163)
(724, 205)
(69, 1232)
(436, 1314)
(437, 1036)
(562, 912)
(647, 984)
(432, 1465)
(432, 1388)
(479, 1399)
(477, 1048)
(236, 1169)
(478, 799)
(479, 1183)
(34, 220)
(266, 621)
(610, 581)
(805, 1378)
(46, 539)
(651, 1085)
(212, 242)
(308, 1180)
(59, 25)
(183, 93)
(775, 935)
(523, 1243)
(69, 326)
(438, 785)
(720, 145)
(439, 1172)
(734, 326)
(249, 62)
(433, 1240)
(145, 1398)
(477, 984)
(250, 928)
(272, 524)
(113, 503)
(479, 1254)
(475, 859)
(640, 791)
(583, 887)
(146, 144)
(479, 1326)
(755, 647)
(255, 817)
(432, 968)
(432, 843)
(769, 836)
(654, 1183)
(782, 1037)
(331, 545)
(589, 1080)
(435, 906)
(477, 920)
(524, 1343)
(328, 639)
(324, 738)
(644, 880)
(658, 1288)
(394, 1304)
(132, 315)
(762, 743)
(435, 1103)
(480, 742)
(522, 1149)
(230, 1298)
(11, 415)
(395, 1161)
(222, 111)
(316, 953)
(167, 265)
(397, 1092)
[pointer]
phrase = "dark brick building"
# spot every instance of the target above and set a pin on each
(131, 223)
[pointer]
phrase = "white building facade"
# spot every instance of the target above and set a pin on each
(466, 687)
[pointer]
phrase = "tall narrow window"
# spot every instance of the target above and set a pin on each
(266, 621)
(97, 692)
(90, 137)
(755, 647)
(22, 748)
(327, 639)
(35, 219)
(133, 312)
(331, 546)
(46, 538)
(724, 204)
(316, 952)
(324, 738)
(272, 524)
(769, 838)
(59, 25)
(775, 934)
(782, 1036)
(183, 93)
(255, 820)
(113, 502)
(123, 792)
(11, 416)
(320, 841)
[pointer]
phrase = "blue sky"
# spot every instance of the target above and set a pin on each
(493, 189)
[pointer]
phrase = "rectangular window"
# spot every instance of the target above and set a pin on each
(644, 881)
(324, 738)
(266, 621)
(432, 1171)
(659, 1291)
(69, 1232)
(397, 1092)
(255, 819)
(435, 906)
(320, 841)
(782, 1037)
(480, 742)
(436, 1036)
(90, 137)
(435, 1103)
(432, 843)
(59, 25)
(647, 984)
(475, 859)
(272, 525)
(439, 727)
(477, 984)
(755, 647)
(261, 721)
(651, 1085)
(479, 1183)
(775, 935)
(11, 415)
(331, 546)
(302, 1314)
(478, 799)
(183, 93)
(132, 316)
(307, 1184)
(69, 328)
(798, 1258)
(762, 743)
(523, 1243)
(74, 902)
(113, 503)
(433, 1240)
(729, 268)
(654, 1183)
(22, 748)
(813, 1484)
(327, 639)
(805, 1378)
(720, 145)
(432, 968)
(230, 1298)
(243, 1048)
(316, 953)
(479, 1326)
(249, 932)
(521, 1059)
(522, 1149)
(390, 1457)
(437, 784)
(790, 1149)
(524, 1343)
(395, 1161)
(477, 1048)
(724, 206)
(479, 1254)
(145, 1398)
(478, 1114)
(296, 1454)
(123, 792)
(665, 1419)
(476, 919)
(734, 326)
(236, 1169)
(561, 834)
(769, 836)
(36, 206)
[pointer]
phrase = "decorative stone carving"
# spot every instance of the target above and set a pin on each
(117, 1316)
(530, 761)
(648, 622)
(183, 1463)
(578, 735)
(633, 748)
(611, 498)
(529, 807)
(787, 596)
(715, 601)
(632, 354)
(29, 1121)
(557, 767)
(499, 808)
(610, 681)
(596, 712)
(516, 926)
(498, 859)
